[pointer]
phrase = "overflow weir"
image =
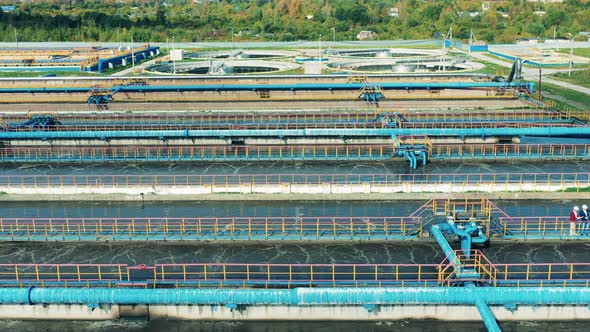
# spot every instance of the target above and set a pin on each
(458, 212)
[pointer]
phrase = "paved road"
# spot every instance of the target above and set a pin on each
(532, 74)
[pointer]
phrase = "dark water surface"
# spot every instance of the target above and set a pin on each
(201, 252)
(259, 208)
(390, 167)
(171, 253)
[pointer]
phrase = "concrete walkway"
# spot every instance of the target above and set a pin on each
(532, 74)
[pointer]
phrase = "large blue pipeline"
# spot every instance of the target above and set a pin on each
(460, 271)
(287, 87)
(302, 296)
(387, 132)
(486, 313)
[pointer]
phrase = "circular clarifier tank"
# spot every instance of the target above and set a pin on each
(220, 67)
(404, 66)
(387, 53)
(241, 54)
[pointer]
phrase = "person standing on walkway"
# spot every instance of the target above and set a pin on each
(574, 216)
(584, 218)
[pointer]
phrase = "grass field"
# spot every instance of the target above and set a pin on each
(578, 77)
(566, 97)
(492, 69)
(585, 52)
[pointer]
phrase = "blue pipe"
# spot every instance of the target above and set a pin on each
(414, 160)
(442, 241)
(487, 316)
(438, 235)
(279, 87)
(424, 158)
(408, 155)
(302, 296)
(387, 132)
(464, 234)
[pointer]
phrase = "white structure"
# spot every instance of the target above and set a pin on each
(366, 34)
(176, 55)
(393, 12)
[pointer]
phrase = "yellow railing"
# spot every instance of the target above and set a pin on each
(544, 273)
(61, 272)
(479, 117)
(414, 141)
(207, 121)
(472, 208)
(458, 182)
(293, 273)
(538, 226)
(468, 209)
(212, 228)
(512, 150)
(450, 270)
(218, 275)
(225, 152)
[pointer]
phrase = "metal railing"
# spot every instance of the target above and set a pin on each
(84, 275)
(561, 151)
(522, 115)
(214, 228)
(524, 181)
(73, 122)
(476, 263)
(476, 125)
(218, 275)
(543, 274)
(545, 226)
(246, 275)
(292, 275)
(195, 152)
(521, 275)
(288, 152)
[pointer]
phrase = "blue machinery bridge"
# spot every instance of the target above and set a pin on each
(284, 87)
(51, 121)
(371, 93)
(411, 136)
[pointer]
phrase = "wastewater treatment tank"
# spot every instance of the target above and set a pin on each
(404, 66)
(221, 67)
(387, 53)
(241, 54)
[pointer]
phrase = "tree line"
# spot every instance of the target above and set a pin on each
(287, 20)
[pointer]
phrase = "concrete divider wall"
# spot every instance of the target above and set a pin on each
(326, 188)
(282, 312)
(290, 192)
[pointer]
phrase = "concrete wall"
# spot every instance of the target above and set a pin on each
(289, 188)
(247, 192)
(323, 313)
